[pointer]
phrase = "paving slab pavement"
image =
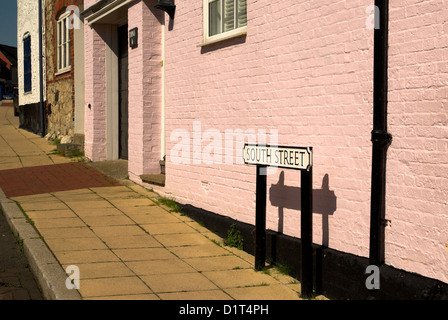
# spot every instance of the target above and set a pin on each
(122, 242)
(170, 257)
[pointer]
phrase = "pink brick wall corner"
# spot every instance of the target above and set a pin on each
(95, 93)
(145, 69)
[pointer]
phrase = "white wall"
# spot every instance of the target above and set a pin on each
(28, 22)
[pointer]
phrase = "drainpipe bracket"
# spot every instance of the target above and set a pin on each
(386, 223)
(381, 136)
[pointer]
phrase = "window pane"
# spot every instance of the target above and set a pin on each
(27, 64)
(68, 51)
(67, 29)
(242, 13)
(68, 44)
(64, 61)
(59, 33)
(229, 15)
(59, 57)
(64, 31)
(214, 15)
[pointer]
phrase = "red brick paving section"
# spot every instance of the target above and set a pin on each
(52, 178)
(7, 104)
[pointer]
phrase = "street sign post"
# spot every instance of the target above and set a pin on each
(298, 158)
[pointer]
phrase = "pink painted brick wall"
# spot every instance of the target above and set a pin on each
(305, 69)
(145, 71)
(417, 179)
(95, 92)
(144, 90)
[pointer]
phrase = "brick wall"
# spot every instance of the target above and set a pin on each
(60, 86)
(305, 69)
(417, 173)
(95, 92)
(145, 89)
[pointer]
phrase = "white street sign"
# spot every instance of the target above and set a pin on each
(299, 158)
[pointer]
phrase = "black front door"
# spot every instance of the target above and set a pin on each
(123, 91)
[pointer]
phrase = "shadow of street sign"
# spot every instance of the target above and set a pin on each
(324, 202)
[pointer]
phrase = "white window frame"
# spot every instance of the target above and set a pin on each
(63, 48)
(220, 36)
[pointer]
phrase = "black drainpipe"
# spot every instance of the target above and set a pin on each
(41, 76)
(381, 139)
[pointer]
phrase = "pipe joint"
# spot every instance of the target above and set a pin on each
(381, 137)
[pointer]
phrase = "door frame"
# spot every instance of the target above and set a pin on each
(112, 89)
(112, 106)
(120, 131)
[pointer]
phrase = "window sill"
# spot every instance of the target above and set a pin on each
(224, 36)
(62, 71)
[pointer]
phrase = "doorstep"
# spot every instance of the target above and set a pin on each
(157, 179)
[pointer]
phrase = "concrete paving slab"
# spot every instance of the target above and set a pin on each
(51, 214)
(66, 233)
(147, 209)
(141, 210)
(35, 160)
(162, 283)
(239, 278)
(168, 228)
(149, 296)
(271, 292)
(118, 191)
(76, 195)
(86, 256)
(204, 250)
(195, 295)
(43, 205)
(43, 197)
(96, 212)
(114, 231)
(10, 163)
(113, 286)
(227, 262)
(162, 266)
(145, 192)
(103, 270)
(44, 223)
(59, 245)
(152, 218)
(142, 254)
(117, 220)
(124, 204)
(131, 242)
(187, 239)
(87, 204)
